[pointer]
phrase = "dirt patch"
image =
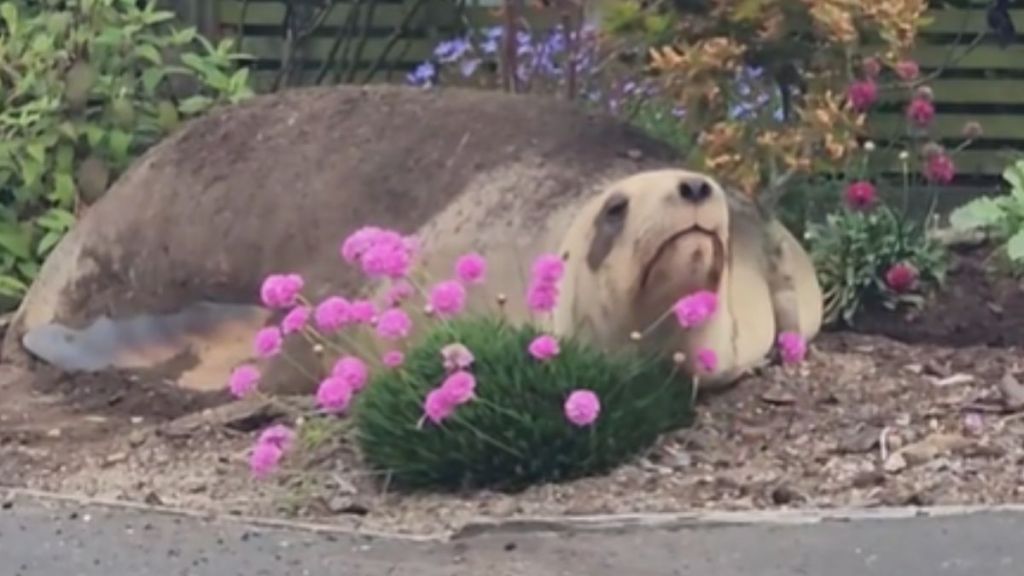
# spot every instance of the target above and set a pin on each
(976, 308)
(821, 435)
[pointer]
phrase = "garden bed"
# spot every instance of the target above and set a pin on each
(866, 421)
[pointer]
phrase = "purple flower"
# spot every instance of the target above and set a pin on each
(423, 75)
(451, 50)
(468, 67)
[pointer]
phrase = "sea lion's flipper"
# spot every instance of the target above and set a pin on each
(197, 346)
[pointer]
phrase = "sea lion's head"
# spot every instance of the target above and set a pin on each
(646, 241)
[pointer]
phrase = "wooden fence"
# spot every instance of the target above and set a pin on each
(381, 40)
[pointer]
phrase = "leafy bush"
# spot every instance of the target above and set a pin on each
(465, 399)
(86, 88)
(871, 257)
(515, 433)
(1002, 217)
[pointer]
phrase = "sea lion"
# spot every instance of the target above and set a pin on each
(162, 275)
(650, 238)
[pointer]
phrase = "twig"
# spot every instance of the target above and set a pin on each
(341, 35)
(350, 28)
(363, 38)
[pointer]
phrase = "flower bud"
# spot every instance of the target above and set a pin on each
(904, 156)
(869, 146)
(924, 92)
(972, 130)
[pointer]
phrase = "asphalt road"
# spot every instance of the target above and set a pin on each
(41, 539)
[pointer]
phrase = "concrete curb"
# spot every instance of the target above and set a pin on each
(670, 521)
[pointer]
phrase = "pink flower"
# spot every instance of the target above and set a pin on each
(792, 347)
(872, 68)
(695, 309)
(333, 314)
(939, 168)
(862, 95)
(353, 248)
(295, 320)
(393, 358)
(334, 394)
(542, 297)
(386, 261)
(860, 195)
(471, 268)
(448, 298)
(353, 371)
(921, 111)
(707, 360)
(456, 357)
(243, 380)
(398, 292)
(582, 407)
(268, 342)
(264, 459)
(547, 269)
(544, 347)
(393, 324)
(362, 311)
(901, 277)
(278, 435)
(438, 405)
(907, 70)
(459, 386)
(281, 290)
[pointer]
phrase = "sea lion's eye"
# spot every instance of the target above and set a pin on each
(617, 208)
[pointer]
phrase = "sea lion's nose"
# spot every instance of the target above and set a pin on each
(694, 190)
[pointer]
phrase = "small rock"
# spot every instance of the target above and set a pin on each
(153, 499)
(861, 441)
(245, 415)
(115, 458)
(634, 154)
(778, 396)
(1013, 392)
(933, 446)
(954, 380)
(346, 505)
(868, 478)
(136, 438)
(7, 505)
(785, 494)
(53, 433)
(932, 368)
(503, 507)
(895, 463)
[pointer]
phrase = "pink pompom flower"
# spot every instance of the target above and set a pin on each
(362, 311)
(862, 95)
(907, 70)
(459, 386)
(471, 268)
(939, 168)
(281, 290)
(357, 243)
(243, 380)
(901, 277)
(393, 358)
(332, 314)
(582, 407)
(268, 341)
(264, 459)
(353, 371)
(792, 347)
(921, 112)
(707, 360)
(393, 324)
(544, 347)
(456, 357)
(278, 435)
(696, 309)
(448, 298)
(398, 293)
(547, 269)
(872, 67)
(295, 320)
(438, 405)
(860, 195)
(334, 394)
(542, 297)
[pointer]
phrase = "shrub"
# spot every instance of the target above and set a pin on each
(515, 433)
(444, 398)
(1002, 217)
(87, 87)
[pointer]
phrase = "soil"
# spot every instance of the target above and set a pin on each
(867, 421)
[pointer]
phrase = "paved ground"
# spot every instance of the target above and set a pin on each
(46, 539)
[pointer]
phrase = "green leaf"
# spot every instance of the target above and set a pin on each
(195, 104)
(11, 287)
(9, 12)
(1015, 247)
(15, 240)
(981, 212)
(120, 143)
(150, 53)
(63, 189)
(151, 78)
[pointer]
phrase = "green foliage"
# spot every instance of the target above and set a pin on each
(1002, 217)
(515, 432)
(86, 87)
(853, 250)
